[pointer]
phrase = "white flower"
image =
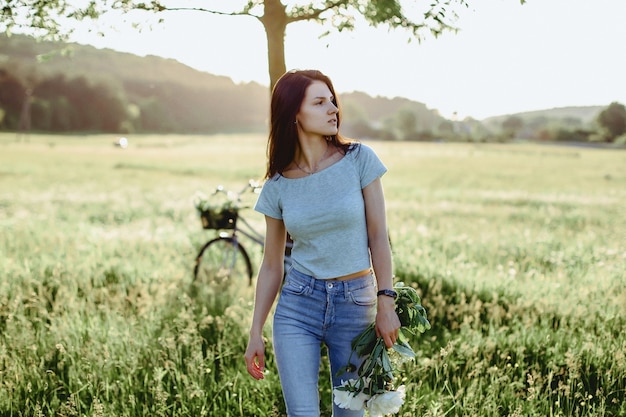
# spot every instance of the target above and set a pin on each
(387, 403)
(398, 359)
(349, 399)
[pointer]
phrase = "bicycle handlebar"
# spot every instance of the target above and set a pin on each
(252, 185)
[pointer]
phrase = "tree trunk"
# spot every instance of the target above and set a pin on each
(275, 23)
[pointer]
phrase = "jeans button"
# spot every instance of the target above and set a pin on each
(330, 285)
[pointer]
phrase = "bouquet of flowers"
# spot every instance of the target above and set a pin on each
(219, 200)
(218, 211)
(374, 389)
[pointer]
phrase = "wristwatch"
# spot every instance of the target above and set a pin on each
(388, 293)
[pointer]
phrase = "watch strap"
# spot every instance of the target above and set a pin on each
(388, 293)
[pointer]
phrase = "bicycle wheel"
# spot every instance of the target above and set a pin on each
(222, 260)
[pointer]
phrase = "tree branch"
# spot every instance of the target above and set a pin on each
(156, 6)
(200, 9)
(302, 13)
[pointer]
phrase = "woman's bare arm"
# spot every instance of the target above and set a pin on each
(387, 322)
(268, 284)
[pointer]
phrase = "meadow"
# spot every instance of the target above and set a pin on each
(518, 252)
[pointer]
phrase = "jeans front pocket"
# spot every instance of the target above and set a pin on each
(296, 286)
(365, 296)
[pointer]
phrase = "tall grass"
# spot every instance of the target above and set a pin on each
(519, 252)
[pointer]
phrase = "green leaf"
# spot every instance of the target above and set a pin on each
(404, 349)
(386, 363)
(364, 343)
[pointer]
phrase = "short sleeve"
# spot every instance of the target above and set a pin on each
(268, 202)
(369, 165)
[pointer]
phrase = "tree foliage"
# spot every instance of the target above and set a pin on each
(49, 18)
(512, 125)
(613, 120)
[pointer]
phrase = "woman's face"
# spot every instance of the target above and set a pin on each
(318, 114)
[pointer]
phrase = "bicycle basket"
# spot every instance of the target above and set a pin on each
(219, 218)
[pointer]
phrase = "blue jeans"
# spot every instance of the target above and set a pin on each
(311, 312)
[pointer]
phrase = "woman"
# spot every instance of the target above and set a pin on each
(326, 192)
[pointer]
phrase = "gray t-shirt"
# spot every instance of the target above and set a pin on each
(325, 213)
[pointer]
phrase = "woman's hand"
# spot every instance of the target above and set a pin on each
(268, 283)
(387, 321)
(255, 357)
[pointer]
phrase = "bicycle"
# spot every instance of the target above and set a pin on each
(224, 256)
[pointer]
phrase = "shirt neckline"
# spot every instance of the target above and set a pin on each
(317, 172)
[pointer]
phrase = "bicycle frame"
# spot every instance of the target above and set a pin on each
(251, 233)
(256, 237)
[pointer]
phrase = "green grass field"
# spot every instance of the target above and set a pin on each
(518, 251)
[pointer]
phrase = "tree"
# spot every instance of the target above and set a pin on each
(11, 100)
(46, 18)
(357, 122)
(511, 126)
(446, 129)
(613, 120)
(407, 123)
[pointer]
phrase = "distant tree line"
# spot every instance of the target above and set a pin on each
(608, 126)
(62, 104)
(62, 88)
(76, 104)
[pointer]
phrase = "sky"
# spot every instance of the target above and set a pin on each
(506, 58)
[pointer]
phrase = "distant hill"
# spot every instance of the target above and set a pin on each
(380, 108)
(586, 114)
(74, 59)
(168, 96)
(177, 86)
(171, 96)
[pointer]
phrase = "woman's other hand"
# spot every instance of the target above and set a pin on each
(255, 357)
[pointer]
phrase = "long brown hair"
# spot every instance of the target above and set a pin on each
(287, 97)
